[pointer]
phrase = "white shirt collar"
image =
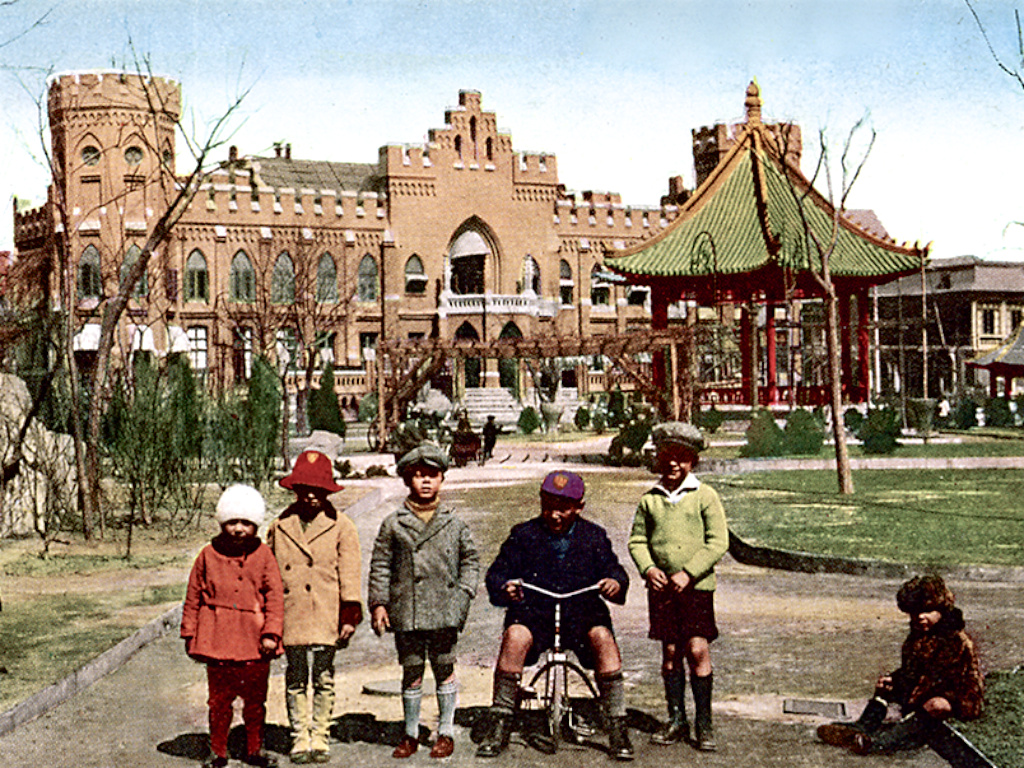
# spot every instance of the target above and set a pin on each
(690, 483)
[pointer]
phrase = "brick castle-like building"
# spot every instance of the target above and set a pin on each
(461, 237)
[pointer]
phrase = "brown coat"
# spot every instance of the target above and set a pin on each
(234, 598)
(321, 570)
(943, 663)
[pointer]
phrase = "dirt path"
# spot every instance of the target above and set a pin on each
(784, 635)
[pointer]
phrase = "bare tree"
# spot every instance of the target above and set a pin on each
(820, 245)
(162, 190)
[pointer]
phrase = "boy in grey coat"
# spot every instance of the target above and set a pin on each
(423, 574)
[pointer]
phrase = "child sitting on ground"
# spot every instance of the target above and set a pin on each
(423, 574)
(679, 534)
(938, 678)
(232, 622)
(560, 552)
(318, 553)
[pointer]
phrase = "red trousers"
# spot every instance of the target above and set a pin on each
(226, 682)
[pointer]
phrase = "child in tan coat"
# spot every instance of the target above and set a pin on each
(318, 553)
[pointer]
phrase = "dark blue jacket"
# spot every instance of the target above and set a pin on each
(528, 554)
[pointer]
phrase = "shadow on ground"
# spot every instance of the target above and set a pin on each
(364, 727)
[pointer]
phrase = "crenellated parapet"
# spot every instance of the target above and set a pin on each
(603, 215)
(32, 227)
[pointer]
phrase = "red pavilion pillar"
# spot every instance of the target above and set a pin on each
(772, 355)
(863, 346)
(747, 378)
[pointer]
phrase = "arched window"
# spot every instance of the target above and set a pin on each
(565, 283)
(600, 292)
(490, 148)
(458, 146)
(243, 278)
(367, 286)
(533, 274)
(141, 288)
(197, 278)
(282, 280)
(326, 280)
(415, 277)
(90, 280)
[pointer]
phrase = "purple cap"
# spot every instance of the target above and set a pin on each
(568, 485)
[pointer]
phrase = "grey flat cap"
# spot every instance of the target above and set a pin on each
(427, 454)
(679, 433)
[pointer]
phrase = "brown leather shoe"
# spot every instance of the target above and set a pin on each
(443, 747)
(406, 747)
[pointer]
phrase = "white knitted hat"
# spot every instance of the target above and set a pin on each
(241, 502)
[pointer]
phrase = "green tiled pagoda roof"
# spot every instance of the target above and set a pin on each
(745, 217)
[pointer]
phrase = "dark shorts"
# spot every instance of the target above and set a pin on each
(676, 617)
(573, 638)
(438, 645)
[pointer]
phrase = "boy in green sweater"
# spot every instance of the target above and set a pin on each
(679, 533)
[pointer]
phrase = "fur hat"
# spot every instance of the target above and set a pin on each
(313, 469)
(924, 593)
(679, 433)
(241, 502)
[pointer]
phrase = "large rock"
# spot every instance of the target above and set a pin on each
(43, 489)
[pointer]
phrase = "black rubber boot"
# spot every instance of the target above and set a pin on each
(846, 735)
(705, 731)
(497, 735)
(619, 745)
(677, 728)
(909, 733)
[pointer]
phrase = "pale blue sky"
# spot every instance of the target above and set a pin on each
(612, 88)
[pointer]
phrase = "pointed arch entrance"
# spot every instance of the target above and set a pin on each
(508, 368)
(471, 366)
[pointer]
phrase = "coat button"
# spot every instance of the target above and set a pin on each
(288, 567)
(308, 588)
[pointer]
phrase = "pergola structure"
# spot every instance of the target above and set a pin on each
(405, 366)
(1005, 362)
(743, 238)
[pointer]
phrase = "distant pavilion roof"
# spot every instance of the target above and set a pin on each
(1007, 358)
(742, 229)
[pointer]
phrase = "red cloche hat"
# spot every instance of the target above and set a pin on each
(312, 468)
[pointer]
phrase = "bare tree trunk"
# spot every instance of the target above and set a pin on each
(843, 469)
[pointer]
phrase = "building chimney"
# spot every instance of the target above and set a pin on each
(277, 149)
(233, 154)
(287, 151)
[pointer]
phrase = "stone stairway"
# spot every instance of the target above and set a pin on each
(498, 401)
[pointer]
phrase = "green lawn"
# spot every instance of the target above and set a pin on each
(927, 517)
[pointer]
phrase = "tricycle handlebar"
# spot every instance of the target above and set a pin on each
(556, 595)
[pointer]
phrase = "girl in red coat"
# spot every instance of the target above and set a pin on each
(232, 622)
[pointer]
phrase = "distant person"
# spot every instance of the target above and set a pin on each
(561, 552)
(423, 575)
(679, 534)
(232, 622)
(938, 678)
(491, 431)
(318, 553)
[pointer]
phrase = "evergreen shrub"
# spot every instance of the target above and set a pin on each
(998, 413)
(880, 431)
(322, 405)
(529, 420)
(804, 433)
(710, 420)
(764, 437)
(965, 413)
(582, 417)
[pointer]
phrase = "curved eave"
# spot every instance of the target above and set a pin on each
(745, 217)
(1009, 355)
